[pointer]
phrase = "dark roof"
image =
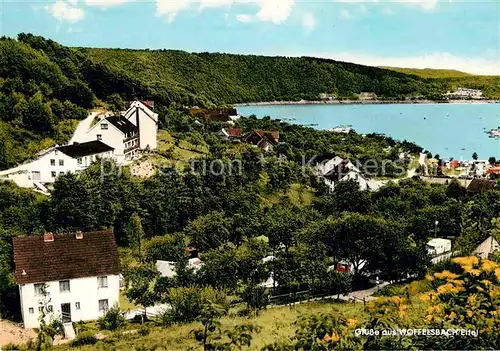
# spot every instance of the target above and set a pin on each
(477, 185)
(93, 147)
(123, 124)
(65, 258)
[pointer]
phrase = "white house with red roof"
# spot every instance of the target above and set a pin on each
(73, 277)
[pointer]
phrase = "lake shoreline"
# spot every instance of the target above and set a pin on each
(363, 102)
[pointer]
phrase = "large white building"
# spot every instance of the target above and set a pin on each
(121, 137)
(55, 161)
(73, 276)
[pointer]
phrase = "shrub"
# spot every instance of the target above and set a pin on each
(143, 331)
(186, 303)
(112, 320)
(86, 338)
(10, 347)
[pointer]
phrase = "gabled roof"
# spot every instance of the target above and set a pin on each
(37, 261)
(477, 185)
(487, 247)
(77, 150)
(232, 132)
(122, 124)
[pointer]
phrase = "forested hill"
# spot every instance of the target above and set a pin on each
(225, 78)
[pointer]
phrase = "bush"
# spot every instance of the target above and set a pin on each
(10, 347)
(86, 338)
(112, 320)
(186, 303)
(143, 331)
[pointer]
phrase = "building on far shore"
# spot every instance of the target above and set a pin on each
(464, 93)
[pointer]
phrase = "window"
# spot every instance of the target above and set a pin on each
(53, 174)
(102, 282)
(77, 305)
(79, 160)
(61, 173)
(64, 286)
(39, 288)
(99, 136)
(49, 309)
(31, 310)
(104, 126)
(61, 162)
(56, 152)
(103, 306)
(52, 162)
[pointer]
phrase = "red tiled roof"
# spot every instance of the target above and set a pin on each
(37, 261)
(233, 132)
(493, 170)
(477, 185)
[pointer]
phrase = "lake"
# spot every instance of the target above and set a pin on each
(450, 130)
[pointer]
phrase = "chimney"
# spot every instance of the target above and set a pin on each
(79, 235)
(48, 237)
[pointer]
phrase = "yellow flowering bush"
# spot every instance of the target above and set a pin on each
(467, 300)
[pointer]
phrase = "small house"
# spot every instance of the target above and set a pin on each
(75, 277)
(479, 185)
(230, 134)
(487, 247)
(266, 140)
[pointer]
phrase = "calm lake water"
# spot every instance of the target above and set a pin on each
(451, 130)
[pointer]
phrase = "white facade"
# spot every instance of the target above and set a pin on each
(112, 136)
(147, 122)
(47, 167)
(87, 299)
(353, 172)
(462, 93)
(438, 246)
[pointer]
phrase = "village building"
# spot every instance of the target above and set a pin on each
(228, 115)
(42, 172)
(230, 134)
(487, 247)
(478, 185)
(121, 137)
(266, 140)
(73, 276)
(337, 170)
(464, 93)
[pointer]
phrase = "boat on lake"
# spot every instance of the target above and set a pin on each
(494, 133)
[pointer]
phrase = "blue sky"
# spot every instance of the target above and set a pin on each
(454, 34)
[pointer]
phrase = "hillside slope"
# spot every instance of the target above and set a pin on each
(430, 72)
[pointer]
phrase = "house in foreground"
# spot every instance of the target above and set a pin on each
(74, 276)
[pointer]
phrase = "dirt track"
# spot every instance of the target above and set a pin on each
(11, 333)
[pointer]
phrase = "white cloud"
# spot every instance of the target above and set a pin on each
(308, 21)
(64, 11)
(169, 8)
(244, 18)
(275, 11)
(437, 60)
(105, 3)
(345, 14)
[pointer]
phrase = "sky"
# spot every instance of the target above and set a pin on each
(451, 34)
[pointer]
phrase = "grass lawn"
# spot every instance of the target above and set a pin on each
(276, 325)
(125, 303)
